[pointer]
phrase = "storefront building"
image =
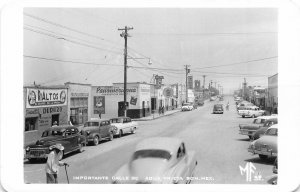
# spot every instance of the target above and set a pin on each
(272, 98)
(43, 107)
(108, 101)
(79, 102)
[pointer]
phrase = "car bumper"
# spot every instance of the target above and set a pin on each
(246, 132)
(218, 112)
(36, 156)
(262, 152)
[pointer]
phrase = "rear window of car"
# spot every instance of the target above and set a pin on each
(259, 121)
(116, 121)
(161, 154)
(91, 124)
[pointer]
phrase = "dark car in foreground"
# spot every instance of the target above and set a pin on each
(66, 135)
(257, 134)
(218, 108)
(97, 130)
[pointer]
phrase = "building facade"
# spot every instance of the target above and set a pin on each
(44, 106)
(272, 96)
(79, 102)
(108, 101)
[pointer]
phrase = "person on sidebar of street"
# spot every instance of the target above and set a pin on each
(53, 163)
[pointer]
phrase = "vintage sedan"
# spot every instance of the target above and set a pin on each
(258, 133)
(123, 125)
(218, 108)
(251, 111)
(158, 160)
(66, 135)
(249, 129)
(266, 146)
(97, 130)
(187, 107)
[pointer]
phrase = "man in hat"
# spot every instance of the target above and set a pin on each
(53, 163)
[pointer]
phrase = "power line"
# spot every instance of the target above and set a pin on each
(68, 28)
(243, 62)
(69, 61)
(208, 34)
(72, 41)
(56, 35)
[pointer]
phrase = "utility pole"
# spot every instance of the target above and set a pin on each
(187, 71)
(125, 35)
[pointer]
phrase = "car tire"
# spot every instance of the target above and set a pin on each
(120, 133)
(253, 116)
(111, 136)
(96, 140)
(243, 116)
(80, 149)
(263, 156)
(250, 137)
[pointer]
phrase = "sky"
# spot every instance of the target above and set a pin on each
(225, 44)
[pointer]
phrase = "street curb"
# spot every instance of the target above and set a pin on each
(156, 117)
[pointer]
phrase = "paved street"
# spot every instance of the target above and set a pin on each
(220, 150)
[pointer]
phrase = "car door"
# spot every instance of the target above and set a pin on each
(73, 138)
(67, 141)
(104, 129)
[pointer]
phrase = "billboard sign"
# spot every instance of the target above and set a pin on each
(45, 97)
(99, 105)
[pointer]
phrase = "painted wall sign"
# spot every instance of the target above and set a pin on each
(99, 104)
(133, 100)
(48, 110)
(168, 92)
(79, 94)
(45, 97)
(109, 90)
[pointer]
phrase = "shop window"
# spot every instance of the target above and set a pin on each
(31, 124)
(79, 115)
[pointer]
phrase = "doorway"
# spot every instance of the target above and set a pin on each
(55, 117)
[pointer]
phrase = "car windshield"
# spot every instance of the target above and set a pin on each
(162, 154)
(52, 133)
(273, 132)
(259, 121)
(91, 124)
(116, 120)
(185, 104)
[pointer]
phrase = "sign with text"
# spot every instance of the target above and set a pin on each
(190, 82)
(45, 97)
(168, 92)
(133, 100)
(110, 90)
(99, 104)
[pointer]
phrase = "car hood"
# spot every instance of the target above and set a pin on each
(46, 141)
(250, 126)
(270, 141)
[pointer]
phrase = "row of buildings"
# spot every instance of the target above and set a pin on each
(76, 103)
(266, 98)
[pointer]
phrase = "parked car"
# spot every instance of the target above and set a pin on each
(166, 159)
(218, 108)
(123, 125)
(66, 135)
(251, 111)
(244, 104)
(187, 107)
(266, 146)
(250, 129)
(200, 103)
(257, 134)
(97, 130)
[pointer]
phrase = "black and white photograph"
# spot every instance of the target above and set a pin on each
(153, 95)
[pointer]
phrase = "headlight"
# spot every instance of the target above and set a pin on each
(27, 148)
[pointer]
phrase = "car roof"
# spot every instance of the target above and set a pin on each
(98, 120)
(60, 127)
(162, 143)
(265, 117)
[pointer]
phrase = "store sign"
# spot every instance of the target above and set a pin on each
(133, 100)
(99, 105)
(168, 92)
(158, 80)
(49, 110)
(190, 82)
(45, 97)
(109, 90)
(79, 94)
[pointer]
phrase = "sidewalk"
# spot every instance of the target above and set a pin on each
(156, 115)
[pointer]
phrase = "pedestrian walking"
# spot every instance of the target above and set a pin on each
(53, 163)
(227, 106)
(163, 110)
